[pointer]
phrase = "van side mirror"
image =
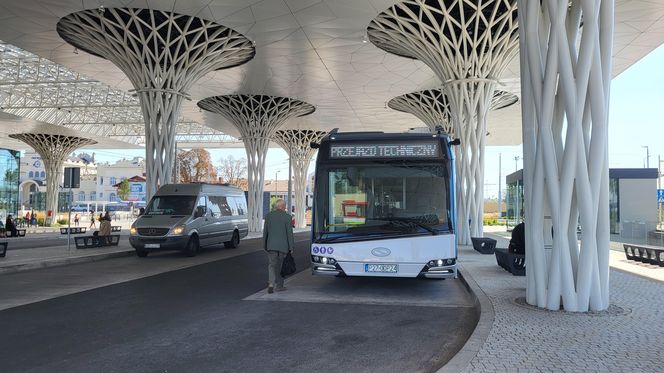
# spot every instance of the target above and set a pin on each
(456, 141)
(200, 211)
(314, 145)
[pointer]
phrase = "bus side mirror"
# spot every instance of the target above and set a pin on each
(455, 142)
(314, 145)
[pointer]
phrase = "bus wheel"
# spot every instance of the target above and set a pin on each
(141, 253)
(192, 246)
(234, 242)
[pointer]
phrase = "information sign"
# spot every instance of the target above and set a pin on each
(397, 150)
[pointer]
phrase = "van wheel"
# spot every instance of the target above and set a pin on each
(234, 242)
(192, 246)
(142, 253)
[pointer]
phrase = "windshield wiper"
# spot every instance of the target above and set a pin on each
(434, 232)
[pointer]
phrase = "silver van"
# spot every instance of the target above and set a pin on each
(189, 216)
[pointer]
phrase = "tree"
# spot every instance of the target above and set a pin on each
(195, 166)
(234, 171)
(123, 190)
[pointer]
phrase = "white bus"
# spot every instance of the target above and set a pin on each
(384, 206)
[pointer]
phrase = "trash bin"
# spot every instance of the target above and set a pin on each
(484, 245)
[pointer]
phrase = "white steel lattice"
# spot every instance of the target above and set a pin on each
(468, 44)
(53, 149)
(257, 118)
(565, 83)
(431, 107)
(39, 89)
(297, 144)
(162, 54)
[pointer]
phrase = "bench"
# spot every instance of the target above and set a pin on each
(116, 228)
(484, 245)
(19, 233)
(644, 253)
(73, 230)
(3, 249)
(512, 263)
(90, 242)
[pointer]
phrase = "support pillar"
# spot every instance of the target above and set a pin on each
(53, 150)
(566, 49)
(257, 117)
(468, 44)
(432, 108)
(298, 141)
(163, 54)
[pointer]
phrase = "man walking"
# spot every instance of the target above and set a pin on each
(277, 241)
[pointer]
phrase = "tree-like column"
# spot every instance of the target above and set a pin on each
(565, 82)
(257, 118)
(53, 150)
(468, 44)
(297, 144)
(162, 54)
(431, 107)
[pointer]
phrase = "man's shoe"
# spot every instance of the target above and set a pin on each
(270, 290)
(281, 288)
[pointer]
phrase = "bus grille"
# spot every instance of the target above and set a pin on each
(152, 231)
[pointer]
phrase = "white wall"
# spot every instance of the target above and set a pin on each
(638, 200)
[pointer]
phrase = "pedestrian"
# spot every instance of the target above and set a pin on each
(277, 242)
(33, 219)
(10, 226)
(77, 217)
(27, 218)
(93, 223)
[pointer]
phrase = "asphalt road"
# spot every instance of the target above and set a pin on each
(195, 319)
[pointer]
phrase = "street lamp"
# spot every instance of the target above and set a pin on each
(647, 155)
(275, 182)
(516, 163)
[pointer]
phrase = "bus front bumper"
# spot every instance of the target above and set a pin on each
(417, 270)
(325, 269)
(440, 272)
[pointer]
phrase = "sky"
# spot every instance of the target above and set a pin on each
(636, 119)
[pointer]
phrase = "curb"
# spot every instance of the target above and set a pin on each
(486, 317)
(56, 262)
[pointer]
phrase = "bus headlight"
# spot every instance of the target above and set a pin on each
(323, 260)
(439, 262)
(177, 230)
(133, 231)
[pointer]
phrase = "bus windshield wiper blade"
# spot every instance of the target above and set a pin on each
(433, 231)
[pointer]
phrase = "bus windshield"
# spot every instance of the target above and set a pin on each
(171, 205)
(387, 199)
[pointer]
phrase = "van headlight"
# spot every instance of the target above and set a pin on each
(177, 230)
(133, 231)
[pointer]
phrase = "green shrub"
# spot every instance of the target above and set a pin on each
(490, 221)
(63, 221)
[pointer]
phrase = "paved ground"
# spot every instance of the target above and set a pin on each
(524, 339)
(195, 319)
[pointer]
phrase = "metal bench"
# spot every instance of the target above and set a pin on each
(19, 233)
(644, 253)
(512, 263)
(90, 242)
(3, 249)
(116, 228)
(484, 245)
(73, 230)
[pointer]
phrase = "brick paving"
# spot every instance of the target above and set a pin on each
(630, 337)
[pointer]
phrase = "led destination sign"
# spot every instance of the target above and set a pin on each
(421, 150)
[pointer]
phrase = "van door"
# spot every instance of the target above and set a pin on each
(203, 223)
(223, 226)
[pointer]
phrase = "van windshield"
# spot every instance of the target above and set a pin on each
(171, 205)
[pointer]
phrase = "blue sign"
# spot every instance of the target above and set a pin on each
(136, 188)
(660, 196)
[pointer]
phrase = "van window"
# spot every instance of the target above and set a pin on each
(213, 205)
(219, 205)
(239, 205)
(171, 205)
(201, 203)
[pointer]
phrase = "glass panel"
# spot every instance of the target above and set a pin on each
(614, 212)
(172, 205)
(383, 199)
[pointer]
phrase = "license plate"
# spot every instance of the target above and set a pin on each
(382, 268)
(151, 245)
